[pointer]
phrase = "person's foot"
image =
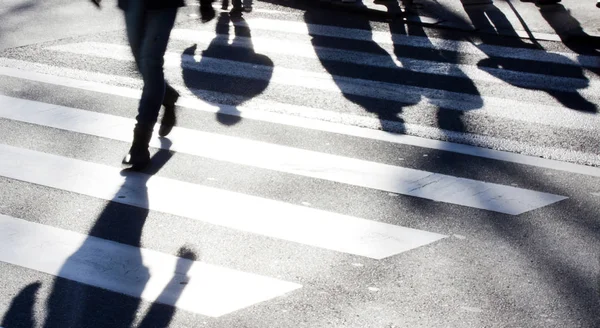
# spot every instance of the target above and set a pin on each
(169, 118)
(236, 11)
(139, 155)
(168, 121)
(207, 12)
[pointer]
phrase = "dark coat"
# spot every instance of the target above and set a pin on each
(154, 4)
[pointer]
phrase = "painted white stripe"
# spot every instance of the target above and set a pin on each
(320, 120)
(420, 42)
(269, 46)
(515, 109)
(152, 276)
(438, 187)
(252, 214)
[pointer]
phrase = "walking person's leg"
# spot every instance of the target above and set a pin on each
(155, 37)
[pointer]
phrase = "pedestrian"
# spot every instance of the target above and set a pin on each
(149, 24)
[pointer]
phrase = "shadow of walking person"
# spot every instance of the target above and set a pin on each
(237, 70)
(160, 315)
(20, 312)
(102, 283)
(389, 81)
(356, 80)
(570, 31)
(570, 77)
(454, 93)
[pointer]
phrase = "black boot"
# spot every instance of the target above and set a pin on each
(207, 12)
(169, 118)
(139, 155)
(237, 9)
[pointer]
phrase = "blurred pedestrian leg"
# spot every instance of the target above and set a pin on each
(149, 24)
(207, 12)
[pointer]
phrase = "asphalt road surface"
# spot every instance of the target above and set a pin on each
(328, 170)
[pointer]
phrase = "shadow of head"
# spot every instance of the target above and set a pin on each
(20, 312)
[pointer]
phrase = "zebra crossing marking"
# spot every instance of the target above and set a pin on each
(295, 223)
(266, 46)
(298, 116)
(382, 37)
(396, 179)
(193, 286)
(431, 99)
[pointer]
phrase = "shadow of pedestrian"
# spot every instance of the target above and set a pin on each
(570, 30)
(110, 258)
(355, 80)
(160, 315)
(21, 308)
(237, 70)
(396, 76)
(570, 77)
(14, 12)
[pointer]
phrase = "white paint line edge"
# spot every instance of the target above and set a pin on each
(193, 286)
(275, 219)
(314, 124)
(367, 174)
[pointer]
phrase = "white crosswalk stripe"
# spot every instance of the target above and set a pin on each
(203, 288)
(443, 188)
(214, 290)
(422, 98)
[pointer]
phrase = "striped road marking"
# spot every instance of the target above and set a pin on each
(316, 119)
(421, 98)
(418, 41)
(153, 276)
(252, 214)
(267, 46)
(411, 182)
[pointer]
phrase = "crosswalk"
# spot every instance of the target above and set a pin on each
(280, 75)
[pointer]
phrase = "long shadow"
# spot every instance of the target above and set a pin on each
(395, 68)
(451, 78)
(490, 18)
(570, 30)
(343, 74)
(21, 308)
(74, 304)
(564, 278)
(221, 58)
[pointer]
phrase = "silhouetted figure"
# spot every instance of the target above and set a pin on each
(207, 80)
(404, 82)
(490, 20)
(75, 305)
(20, 312)
(570, 31)
(160, 315)
(207, 12)
(149, 24)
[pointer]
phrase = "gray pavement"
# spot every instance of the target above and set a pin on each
(381, 100)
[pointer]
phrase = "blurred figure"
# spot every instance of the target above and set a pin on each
(149, 24)
(207, 12)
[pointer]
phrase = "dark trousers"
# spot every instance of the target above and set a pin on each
(148, 32)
